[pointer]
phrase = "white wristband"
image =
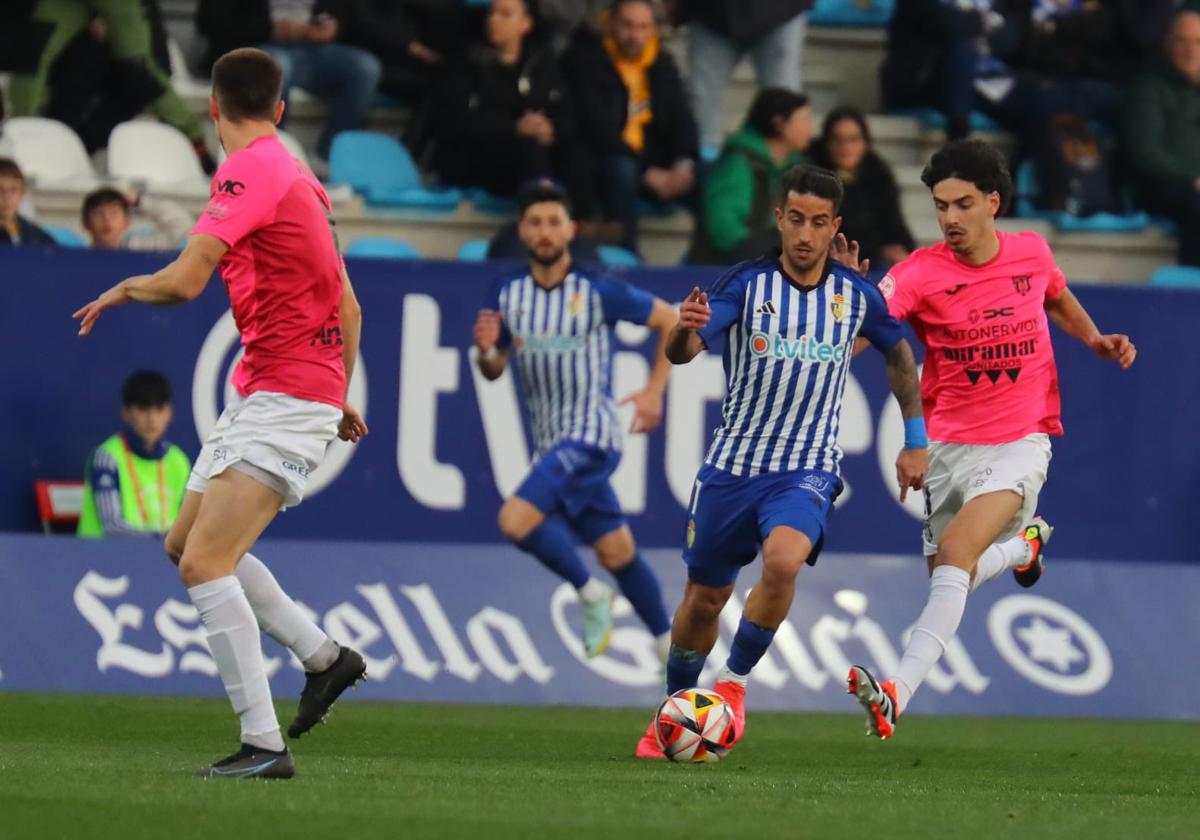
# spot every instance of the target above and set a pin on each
(489, 354)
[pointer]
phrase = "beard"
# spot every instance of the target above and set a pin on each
(545, 259)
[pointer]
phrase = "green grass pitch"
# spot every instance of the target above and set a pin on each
(119, 767)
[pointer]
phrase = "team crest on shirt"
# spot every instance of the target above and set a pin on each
(575, 305)
(838, 307)
(1021, 283)
(887, 286)
(691, 533)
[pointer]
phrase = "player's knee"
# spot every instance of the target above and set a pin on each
(705, 603)
(191, 571)
(615, 550)
(954, 552)
(512, 524)
(782, 561)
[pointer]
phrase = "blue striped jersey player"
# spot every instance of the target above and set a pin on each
(786, 327)
(555, 320)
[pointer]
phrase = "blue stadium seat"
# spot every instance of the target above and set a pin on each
(933, 118)
(382, 247)
(486, 202)
(382, 170)
(613, 255)
(65, 236)
(865, 13)
(473, 251)
(1027, 190)
(1177, 276)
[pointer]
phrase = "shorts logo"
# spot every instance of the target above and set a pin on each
(220, 453)
(838, 307)
(815, 483)
(691, 533)
(803, 349)
(298, 469)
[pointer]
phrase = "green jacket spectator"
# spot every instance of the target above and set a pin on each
(741, 192)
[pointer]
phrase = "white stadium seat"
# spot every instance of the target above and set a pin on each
(159, 155)
(48, 152)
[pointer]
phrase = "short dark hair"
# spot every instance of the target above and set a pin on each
(247, 84)
(542, 191)
(803, 179)
(770, 103)
(975, 161)
(841, 114)
(100, 197)
(146, 389)
(9, 169)
(616, 5)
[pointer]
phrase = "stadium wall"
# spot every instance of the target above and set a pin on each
(445, 446)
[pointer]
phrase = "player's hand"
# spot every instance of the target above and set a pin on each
(87, 315)
(647, 410)
(845, 251)
(694, 313)
(911, 466)
(487, 329)
(1115, 348)
(352, 427)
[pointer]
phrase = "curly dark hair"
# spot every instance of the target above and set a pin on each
(973, 160)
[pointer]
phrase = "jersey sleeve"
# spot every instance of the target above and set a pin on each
(900, 288)
(491, 301)
(1057, 283)
(106, 492)
(879, 327)
(623, 302)
(726, 298)
(242, 199)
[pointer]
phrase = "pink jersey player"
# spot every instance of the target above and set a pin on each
(981, 302)
(268, 231)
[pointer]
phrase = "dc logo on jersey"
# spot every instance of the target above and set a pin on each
(802, 349)
(838, 307)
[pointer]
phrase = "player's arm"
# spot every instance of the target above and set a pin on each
(1066, 311)
(648, 402)
(352, 427)
(683, 343)
(491, 357)
(905, 381)
(178, 282)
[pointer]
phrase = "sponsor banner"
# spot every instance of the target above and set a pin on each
(469, 623)
(446, 446)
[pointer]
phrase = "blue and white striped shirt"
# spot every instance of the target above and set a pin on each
(787, 353)
(561, 346)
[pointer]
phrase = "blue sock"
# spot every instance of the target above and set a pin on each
(552, 544)
(749, 644)
(683, 668)
(639, 584)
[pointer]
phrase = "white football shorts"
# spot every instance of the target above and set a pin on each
(958, 472)
(275, 438)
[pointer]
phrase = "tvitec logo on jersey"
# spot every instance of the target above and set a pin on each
(803, 349)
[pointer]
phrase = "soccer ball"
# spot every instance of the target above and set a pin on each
(695, 726)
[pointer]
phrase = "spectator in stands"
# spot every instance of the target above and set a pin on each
(737, 216)
(1160, 127)
(109, 216)
(303, 37)
(501, 116)
(870, 210)
(634, 114)
(135, 481)
(409, 37)
(1140, 27)
(55, 23)
(15, 229)
(720, 32)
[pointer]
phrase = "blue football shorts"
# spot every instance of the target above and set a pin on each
(571, 482)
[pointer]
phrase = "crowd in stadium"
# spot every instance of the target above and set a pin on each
(1101, 97)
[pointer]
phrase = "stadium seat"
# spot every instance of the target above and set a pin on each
(381, 169)
(1027, 189)
(933, 118)
(49, 152)
(65, 236)
(614, 255)
(382, 247)
(59, 504)
(486, 202)
(473, 251)
(182, 80)
(1177, 276)
(157, 154)
(865, 13)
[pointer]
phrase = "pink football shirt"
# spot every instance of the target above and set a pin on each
(282, 272)
(989, 371)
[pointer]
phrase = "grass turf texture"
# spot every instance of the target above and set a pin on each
(105, 766)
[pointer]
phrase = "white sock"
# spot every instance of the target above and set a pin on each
(663, 645)
(727, 675)
(280, 618)
(999, 558)
(593, 591)
(234, 641)
(948, 587)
